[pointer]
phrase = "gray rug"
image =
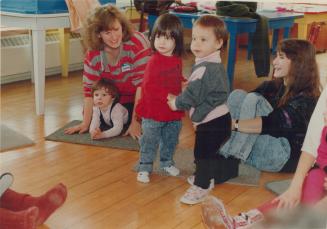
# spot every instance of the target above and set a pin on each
(184, 160)
(11, 139)
(119, 142)
(247, 175)
(278, 187)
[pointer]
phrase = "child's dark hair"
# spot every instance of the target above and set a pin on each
(170, 26)
(214, 22)
(109, 87)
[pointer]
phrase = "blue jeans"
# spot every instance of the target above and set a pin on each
(162, 135)
(261, 151)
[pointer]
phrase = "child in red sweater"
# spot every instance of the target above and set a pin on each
(163, 75)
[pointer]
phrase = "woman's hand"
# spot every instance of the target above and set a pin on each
(134, 129)
(289, 199)
(80, 128)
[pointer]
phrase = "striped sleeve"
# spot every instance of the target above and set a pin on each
(91, 73)
(142, 52)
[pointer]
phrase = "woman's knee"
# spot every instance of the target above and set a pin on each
(237, 95)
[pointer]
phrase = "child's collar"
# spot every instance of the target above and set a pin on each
(213, 57)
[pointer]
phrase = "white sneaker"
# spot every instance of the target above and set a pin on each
(171, 170)
(143, 177)
(194, 195)
(190, 180)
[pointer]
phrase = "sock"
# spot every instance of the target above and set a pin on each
(18, 220)
(47, 203)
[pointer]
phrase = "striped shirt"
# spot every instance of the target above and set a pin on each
(128, 72)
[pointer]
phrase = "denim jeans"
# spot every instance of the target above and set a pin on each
(162, 135)
(261, 151)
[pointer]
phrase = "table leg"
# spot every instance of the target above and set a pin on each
(64, 50)
(231, 58)
(302, 31)
(275, 40)
(39, 69)
(250, 45)
(30, 36)
(286, 33)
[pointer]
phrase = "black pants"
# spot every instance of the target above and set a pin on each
(209, 137)
(129, 107)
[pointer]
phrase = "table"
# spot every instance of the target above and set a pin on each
(38, 23)
(236, 26)
(307, 19)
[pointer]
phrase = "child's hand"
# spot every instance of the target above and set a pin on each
(289, 199)
(184, 84)
(171, 101)
(96, 133)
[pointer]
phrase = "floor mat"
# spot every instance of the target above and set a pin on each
(278, 187)
(184, 160)
(11, 139)
(120, 142)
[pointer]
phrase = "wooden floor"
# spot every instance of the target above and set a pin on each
(103, 192)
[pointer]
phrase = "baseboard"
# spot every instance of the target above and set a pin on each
(48, 72)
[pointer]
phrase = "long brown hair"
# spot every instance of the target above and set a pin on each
(303, 76)
(102, 19)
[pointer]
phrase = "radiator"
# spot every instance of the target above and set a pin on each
(16, 56)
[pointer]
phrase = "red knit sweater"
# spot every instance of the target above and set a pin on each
(162, 75)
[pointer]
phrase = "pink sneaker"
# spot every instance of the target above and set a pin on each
(213, 206)
(248, 219)
(214, 214)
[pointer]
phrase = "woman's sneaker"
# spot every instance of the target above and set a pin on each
(194, 195)
(143, 177)
(171, 170)
(190, 180)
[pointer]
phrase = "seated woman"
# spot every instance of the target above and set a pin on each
(269, 124)
(308, 186)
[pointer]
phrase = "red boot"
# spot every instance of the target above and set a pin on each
(19, 220)
(46, 203)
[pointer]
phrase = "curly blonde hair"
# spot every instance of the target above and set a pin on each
(102, 19)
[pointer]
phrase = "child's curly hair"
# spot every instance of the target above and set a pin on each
(109, 87)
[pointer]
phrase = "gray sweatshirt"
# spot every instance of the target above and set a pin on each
(207, 90)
